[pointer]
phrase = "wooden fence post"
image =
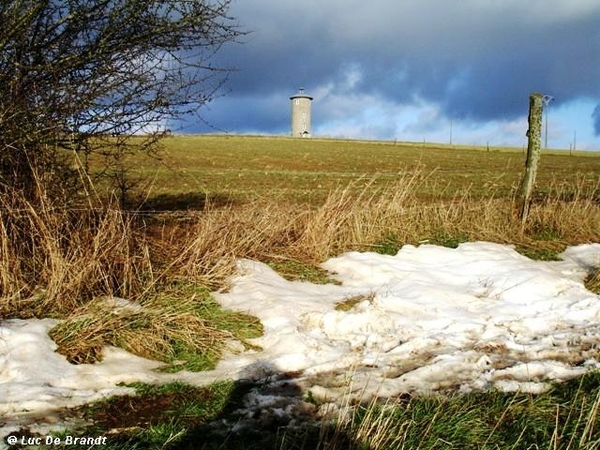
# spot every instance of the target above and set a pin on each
(534, 149)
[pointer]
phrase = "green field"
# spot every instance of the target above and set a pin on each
(246, 168)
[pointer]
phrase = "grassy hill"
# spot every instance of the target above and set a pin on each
(244, 168)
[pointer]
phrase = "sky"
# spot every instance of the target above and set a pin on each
(429, 318)
(414, 70)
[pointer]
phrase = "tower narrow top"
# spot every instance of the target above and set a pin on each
(301, 94)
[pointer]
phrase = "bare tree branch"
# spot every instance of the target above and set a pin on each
(73, 72)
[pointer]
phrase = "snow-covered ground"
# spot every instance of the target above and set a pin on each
(429, 318)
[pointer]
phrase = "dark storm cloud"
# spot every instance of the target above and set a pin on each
(231, 113)
(478, 59)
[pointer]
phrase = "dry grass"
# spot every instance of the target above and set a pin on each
(54, 259)
(350, 221)
(166, 327)
(70, 263)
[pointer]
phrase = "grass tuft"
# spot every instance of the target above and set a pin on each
(184, 327)
(351, 302)
(593, 281)
(293, 270)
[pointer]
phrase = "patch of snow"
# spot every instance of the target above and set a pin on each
(437, 318)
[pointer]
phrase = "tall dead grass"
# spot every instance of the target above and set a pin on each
(353, 219)
(55, 259)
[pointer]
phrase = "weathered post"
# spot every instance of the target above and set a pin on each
(534, 138)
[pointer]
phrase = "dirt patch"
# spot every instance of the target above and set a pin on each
(125, 415)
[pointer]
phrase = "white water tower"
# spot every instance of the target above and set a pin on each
(301, 103)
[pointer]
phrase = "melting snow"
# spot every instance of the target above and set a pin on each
(429, 318)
